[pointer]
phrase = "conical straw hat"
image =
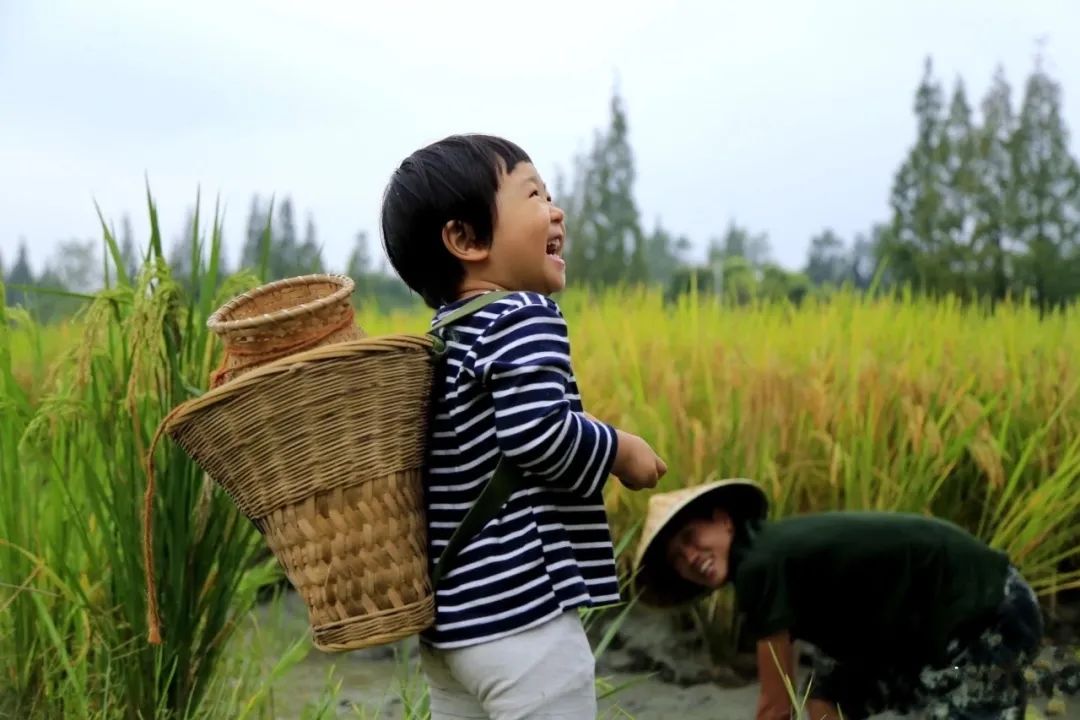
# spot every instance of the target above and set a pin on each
(657, 581)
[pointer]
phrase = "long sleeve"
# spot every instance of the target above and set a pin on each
(523, 360)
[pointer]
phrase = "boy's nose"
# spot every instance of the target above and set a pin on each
(557, 214)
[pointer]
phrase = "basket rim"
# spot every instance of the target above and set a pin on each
(185, 411)
(346, 283)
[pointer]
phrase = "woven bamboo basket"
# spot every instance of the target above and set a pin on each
(282, 318)
(323, 451)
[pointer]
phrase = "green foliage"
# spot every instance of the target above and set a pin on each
(605, 243)
(73, 625)
(990, 210)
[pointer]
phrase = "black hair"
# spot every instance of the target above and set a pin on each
(453, 179)
(745, 525)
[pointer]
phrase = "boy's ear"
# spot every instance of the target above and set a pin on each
(459, 238)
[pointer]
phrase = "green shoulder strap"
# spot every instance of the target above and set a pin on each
(502, 483)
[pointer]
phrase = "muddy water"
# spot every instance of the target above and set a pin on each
(371, 681)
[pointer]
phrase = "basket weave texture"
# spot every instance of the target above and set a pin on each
(282, 318)
(323, 451)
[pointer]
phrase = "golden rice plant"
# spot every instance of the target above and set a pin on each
(890, 403)
(887, 403)
(855, 401)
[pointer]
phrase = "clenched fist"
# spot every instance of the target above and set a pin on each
(636, 465)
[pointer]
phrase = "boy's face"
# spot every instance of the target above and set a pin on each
(699, 550)
(528, 238)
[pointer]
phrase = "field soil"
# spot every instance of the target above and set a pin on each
(668, 671)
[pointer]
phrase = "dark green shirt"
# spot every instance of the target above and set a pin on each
(887, 589)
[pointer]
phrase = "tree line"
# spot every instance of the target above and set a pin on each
(985, 205)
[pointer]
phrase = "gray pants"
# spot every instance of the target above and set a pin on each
(545, 673)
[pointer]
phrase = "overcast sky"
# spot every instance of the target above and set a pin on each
(787, 116)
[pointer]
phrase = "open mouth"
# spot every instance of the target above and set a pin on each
(554, 246)
(705, 567)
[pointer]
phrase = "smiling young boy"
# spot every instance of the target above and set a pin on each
(902, 612)
(463, 217)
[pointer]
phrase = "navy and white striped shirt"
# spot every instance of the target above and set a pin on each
(506, 387)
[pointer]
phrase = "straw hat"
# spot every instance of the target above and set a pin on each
(659, 584)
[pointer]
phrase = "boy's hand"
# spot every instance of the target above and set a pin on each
(636, 465)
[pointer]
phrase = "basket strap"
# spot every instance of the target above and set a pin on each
(494, 496)
(503, 482)
(470, 307)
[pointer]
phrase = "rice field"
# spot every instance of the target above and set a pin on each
(857, 402)
(886, 404)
